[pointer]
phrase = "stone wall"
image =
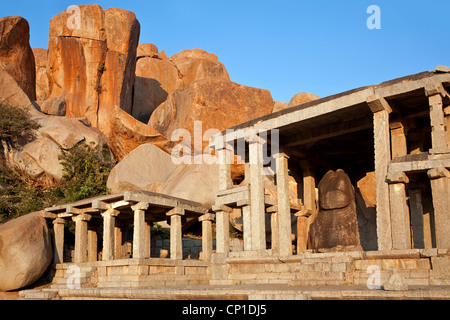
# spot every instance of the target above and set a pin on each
(192, 248)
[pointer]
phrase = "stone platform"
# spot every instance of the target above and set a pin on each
(256, 276)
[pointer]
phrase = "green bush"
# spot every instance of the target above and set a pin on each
(86, 170)
(15, 124)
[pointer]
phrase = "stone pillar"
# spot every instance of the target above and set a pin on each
(92, 244)
(148, 238)
(284, 207)
(222, 229)
(310, 207)
(81, 237)
(309, 188)
(247, 216)
(302, 233)
(139, 230)
(109, 221)
(438, 135)
(274, 227)
(440, 187)
(118, 240)
(447, 124)
(400, 222)
(257, 201)
(176, 241)
(247, 226)
(58, 240)
(382, 159)
(398, 140)
(226, 158)
(417, 228)
(207, 243)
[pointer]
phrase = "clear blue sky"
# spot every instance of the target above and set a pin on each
(321, 46)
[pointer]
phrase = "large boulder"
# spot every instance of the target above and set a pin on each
(336, 224)
(141, 169)
(149, 168)
(42, 82)
(92, 66)
(197, 64)
(25, 251)
(279, 105)
(301, 98)
(16, 56)
(195, 182)
(217, 103)
(12, 94)
(156, 78)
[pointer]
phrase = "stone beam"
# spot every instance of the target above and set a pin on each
(424, 165)
(377, 104)
(329, 131)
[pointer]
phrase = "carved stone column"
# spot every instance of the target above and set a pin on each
(207, 243)
(284, 207)
(257, 201)
(139, 230)
(58, 237)
(176, 240)
(400, 220)
(81, 237)
(109, 221)
(222, 229)
(440, 187)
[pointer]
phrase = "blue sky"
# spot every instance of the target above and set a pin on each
(321, 46)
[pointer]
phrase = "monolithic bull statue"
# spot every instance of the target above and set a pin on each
(336, 224)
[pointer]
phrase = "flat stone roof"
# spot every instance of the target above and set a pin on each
(160, 204)
(351, 103)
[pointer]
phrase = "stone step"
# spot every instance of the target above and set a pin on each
(315, 278)
(286, 276)
(152, 284)
(320, 275)
(65, 281)
(163, 277)
(38, 295)
(67, 275)
(266, 292)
